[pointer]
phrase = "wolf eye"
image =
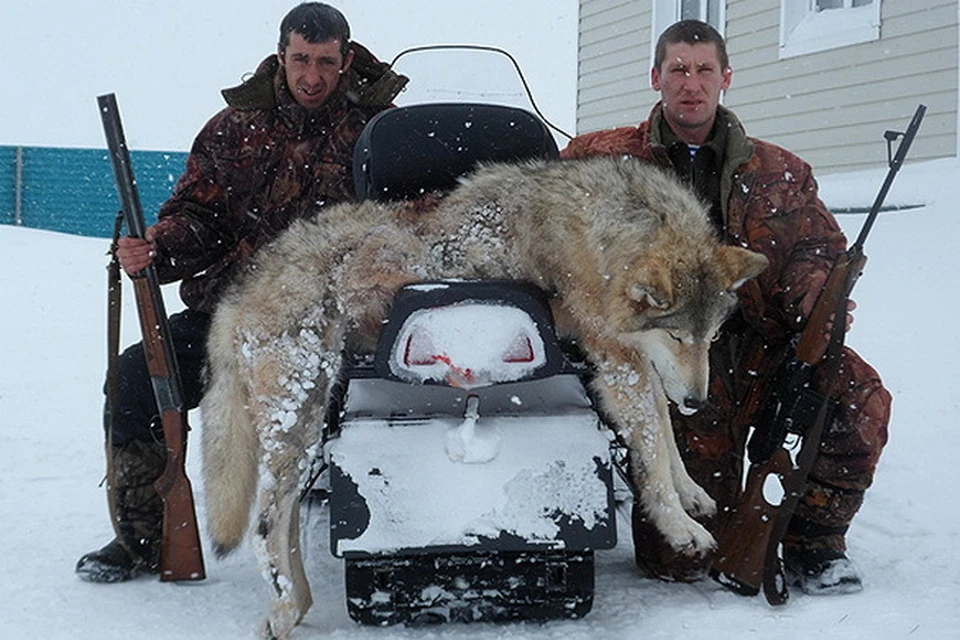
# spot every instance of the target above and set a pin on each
(676, 336)
(715, 337)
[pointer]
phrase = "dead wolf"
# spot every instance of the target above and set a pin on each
(639, 277)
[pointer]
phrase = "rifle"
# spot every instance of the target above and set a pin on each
(181, 557)
(748, 543)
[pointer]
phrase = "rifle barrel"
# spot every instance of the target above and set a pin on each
(895, 165)
(122, 169)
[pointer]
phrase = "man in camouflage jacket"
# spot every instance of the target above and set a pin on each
(763, 198)
(282, 149)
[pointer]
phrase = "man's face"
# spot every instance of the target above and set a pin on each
(690, 80)
(313, 69)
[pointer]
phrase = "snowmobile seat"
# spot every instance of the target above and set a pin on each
(406, 152)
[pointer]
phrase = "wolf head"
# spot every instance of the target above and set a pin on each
(675, 302)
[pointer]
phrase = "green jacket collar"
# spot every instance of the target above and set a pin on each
(736, 150)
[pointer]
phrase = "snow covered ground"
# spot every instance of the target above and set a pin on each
(52, 356)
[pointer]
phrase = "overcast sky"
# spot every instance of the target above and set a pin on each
(167, 61)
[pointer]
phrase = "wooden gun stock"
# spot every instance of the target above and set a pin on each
(181, 557)
(743, 541)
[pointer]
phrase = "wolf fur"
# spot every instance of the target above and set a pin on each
(640, 280)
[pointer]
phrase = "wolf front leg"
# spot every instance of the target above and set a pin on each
(635, 401)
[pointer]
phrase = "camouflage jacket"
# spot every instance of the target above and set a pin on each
(257, 165)
(769, 203)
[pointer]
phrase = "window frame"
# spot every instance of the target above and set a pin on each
(804, 29)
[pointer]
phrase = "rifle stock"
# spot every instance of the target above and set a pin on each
(748, 543)
(742, 544)
(181, 557)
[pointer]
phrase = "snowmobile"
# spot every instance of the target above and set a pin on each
(469, 476)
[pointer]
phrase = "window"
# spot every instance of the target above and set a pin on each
(666, 12)
(808, 26)
(704, 10)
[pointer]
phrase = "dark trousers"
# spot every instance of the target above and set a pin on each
(135, 415)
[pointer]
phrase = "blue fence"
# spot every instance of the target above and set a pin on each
(73, 190)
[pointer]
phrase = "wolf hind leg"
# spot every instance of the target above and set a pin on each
(276, 542)
(276, 537)
(291, 379)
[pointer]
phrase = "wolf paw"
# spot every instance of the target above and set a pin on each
(265, 631)
(695, 500)
(279, 624)
(687, 536)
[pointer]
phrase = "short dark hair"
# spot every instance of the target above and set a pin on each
(690, 32)
(316, 22)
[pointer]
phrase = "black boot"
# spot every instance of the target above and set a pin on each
(821, 572)
(137, 512)
(814, 552)
(111, 563)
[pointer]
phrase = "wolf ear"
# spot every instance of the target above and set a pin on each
(651, 287)
(739, 265)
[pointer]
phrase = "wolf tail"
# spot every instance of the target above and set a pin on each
(230, 443)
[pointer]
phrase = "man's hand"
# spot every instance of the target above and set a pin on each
(806, 307)
(851, 305)
(135, 254)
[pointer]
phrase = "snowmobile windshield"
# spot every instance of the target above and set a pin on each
(468, 74)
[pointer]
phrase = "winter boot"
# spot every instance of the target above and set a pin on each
(815, 559)
(137, 513)
(823, 571)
